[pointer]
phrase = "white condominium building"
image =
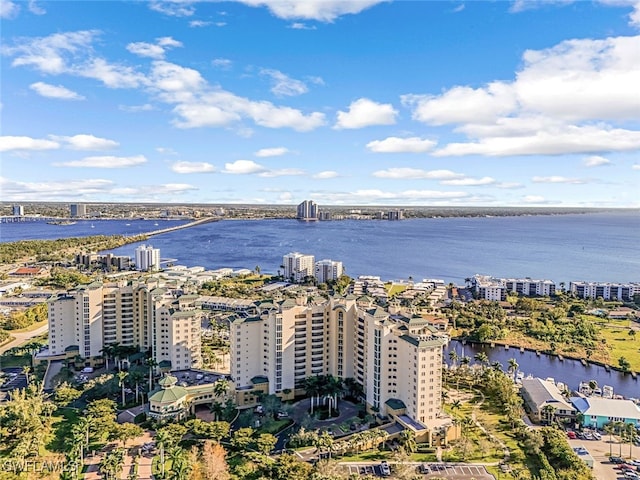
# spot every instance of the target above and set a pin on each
(398, 360)
(140, 315)
(487, 287)
(297, 266)
(605, 290)
(326, 270)
(147, 258)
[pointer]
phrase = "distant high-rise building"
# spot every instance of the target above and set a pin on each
(307, 210)
(298, 266)
(395, 215)
(324, 215)
(328, 270)
(77, 210)
(147, 258)
(18, 211)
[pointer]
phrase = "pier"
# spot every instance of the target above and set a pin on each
(201, 221)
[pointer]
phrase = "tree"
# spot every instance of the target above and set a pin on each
(124, 432)
(220, 388)
(610, 428)
(121, 377)
(513, 367)
(265, 443)
(482, 359)
(151, 364)
(162, 439)
(242, 438)
(65, 394)
(453, 356)
(408, 440)
(548, 412)
(631, 435)
(215, 462)
(624, 364)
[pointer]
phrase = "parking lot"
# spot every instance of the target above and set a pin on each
(428, 470)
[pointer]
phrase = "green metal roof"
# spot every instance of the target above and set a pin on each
(395, 404)
(169, 395)
(259, 379)
(431, 342)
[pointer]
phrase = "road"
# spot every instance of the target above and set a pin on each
(21, 337)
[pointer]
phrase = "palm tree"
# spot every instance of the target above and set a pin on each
(311, 386)
(482, 359)
(217, 409)
(408, 440)
(151, 364)
(135, 377)
(610, 428)
(121, 376)
(25, 372)
(221, 387)
(631, 435)
(453, 356)
(162, 438)
(107, 352)
(513, 367)
(549, 413)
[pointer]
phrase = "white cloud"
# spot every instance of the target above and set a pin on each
(401, 145)
(283, 85)
(559, 103)
(35, 8)
(147, 107)
(285, 197)
(199, 23)
(566, 140)
(9, 143)
(220, 24)
(8, 9)
(595, 161)
(302, 26)
(85, 142)
(282, 172)
(509, 185)
(272, 152)
(166, 151)
(416, 173)
(377, 197)
(469, 182)
(193, 167)
(173, 8)
(113, 76)
(49, 54)
(459, 8)
(364, 112)
(243, 167)
(635, 166)
(144, 49)
(322, 10)
(55, 91)
(168, 42)
(325, 175)
(522, 5)
(105, 162)
(53, 190)
(222, 63)
(560, 179)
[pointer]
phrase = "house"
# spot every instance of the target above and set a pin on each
(544, 400)
(597, 411)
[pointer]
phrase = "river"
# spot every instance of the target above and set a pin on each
(570, 372)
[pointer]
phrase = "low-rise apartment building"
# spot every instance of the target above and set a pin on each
(605, 290)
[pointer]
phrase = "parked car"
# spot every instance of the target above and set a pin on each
(282, 415)
(635, 463)
(629, 474)
(572, 435)
(597, 436)
(616, 460)
(385, 470)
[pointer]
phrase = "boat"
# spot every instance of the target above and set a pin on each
(93, 226)
(61, 222)
(607, 391)
(597, 392)
(155, 224)
(584, 388)
(127, 224)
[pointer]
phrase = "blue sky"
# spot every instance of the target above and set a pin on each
(525, 103)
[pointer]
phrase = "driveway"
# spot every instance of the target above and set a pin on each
(21, 337)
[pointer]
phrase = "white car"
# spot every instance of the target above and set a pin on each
(635, 463)
(385, 471)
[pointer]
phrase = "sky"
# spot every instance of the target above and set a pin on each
(457, 103)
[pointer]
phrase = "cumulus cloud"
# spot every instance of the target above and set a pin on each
(469, 182)
(595, 161)
(377, 197)
(35, 8)
(401, 145)
(302, 26)
(199, 23)
(53, 190)
(105, 162)
(282, 85)
(173, 8)
(147, 107)
(85, 142)
(10, 143)
(574, 97)
(153, 50)
(193, 167)
(8, 9)
(635, 166)
(560, 179)
(413, 173)
(364, 113)
(272, 152)
(534, 199)
(55, 91)
(222, 63)
(321, 10)
(243, 167)
(325, 175)
(282, 172)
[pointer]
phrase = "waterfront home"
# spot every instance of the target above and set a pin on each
(597, 411)
(544, 400)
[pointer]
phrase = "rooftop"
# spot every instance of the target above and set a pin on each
(607, 407)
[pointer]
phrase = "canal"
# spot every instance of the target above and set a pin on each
(570, 372)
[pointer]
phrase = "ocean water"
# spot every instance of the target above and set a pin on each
(562, 248)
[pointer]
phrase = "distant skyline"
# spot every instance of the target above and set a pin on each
(414, 103)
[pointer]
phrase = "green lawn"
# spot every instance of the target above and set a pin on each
(61, 423)
(622, 344)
